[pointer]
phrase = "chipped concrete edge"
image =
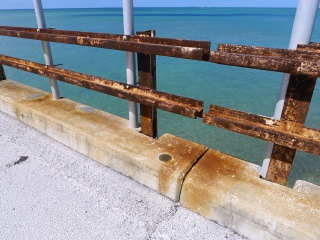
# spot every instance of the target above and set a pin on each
(219, 187)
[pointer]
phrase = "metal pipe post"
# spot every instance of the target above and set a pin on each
(46, 46)
(301, 34)
(128, 25)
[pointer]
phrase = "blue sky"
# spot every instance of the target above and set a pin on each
(23, 4)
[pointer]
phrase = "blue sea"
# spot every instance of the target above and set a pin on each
(249, 90)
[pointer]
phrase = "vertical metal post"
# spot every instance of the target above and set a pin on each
(46, 46)
(131, 64)
(306, 14)
(147, 79)
(293, 117)
(2, 73)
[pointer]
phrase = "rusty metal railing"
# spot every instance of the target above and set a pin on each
(196, 50)
(172, 103)
(289, 133)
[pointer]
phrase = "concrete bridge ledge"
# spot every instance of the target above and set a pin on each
(217, 186)
(158, 164)
(233, 195)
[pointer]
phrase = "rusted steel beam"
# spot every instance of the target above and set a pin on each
(313, 47)
(270, 52)
(2, 73)
(147, 79)
(134, 38)
(280, 164)
(264, 128)
(294, 114)
(172, 103)
(297, 101)
(196, 50)
(266, 63)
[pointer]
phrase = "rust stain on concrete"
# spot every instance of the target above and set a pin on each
(233, 195)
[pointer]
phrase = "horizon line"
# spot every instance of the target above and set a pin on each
(134, 7)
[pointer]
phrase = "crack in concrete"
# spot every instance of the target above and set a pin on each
(172, 211)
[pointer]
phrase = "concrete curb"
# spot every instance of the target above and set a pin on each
(220, 187)
(104, 138)
(233, 195)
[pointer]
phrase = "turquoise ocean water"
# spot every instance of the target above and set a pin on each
(247, 90)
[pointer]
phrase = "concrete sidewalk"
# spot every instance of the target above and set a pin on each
(49, 191)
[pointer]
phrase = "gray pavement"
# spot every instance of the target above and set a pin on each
(48, 191)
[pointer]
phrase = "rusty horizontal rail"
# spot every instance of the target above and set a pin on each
(281, 60)
(307, 140)
(313, 47)
(286, 65)
(271, 52)
(189, 49)
(172, 103)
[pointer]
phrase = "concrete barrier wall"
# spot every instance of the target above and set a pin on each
(222, 188)
(233, 195)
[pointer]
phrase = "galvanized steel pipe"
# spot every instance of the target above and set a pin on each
(46, 46)
(128, 24)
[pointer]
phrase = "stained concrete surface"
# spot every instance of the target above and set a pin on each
(104, 137)
(48, 191)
